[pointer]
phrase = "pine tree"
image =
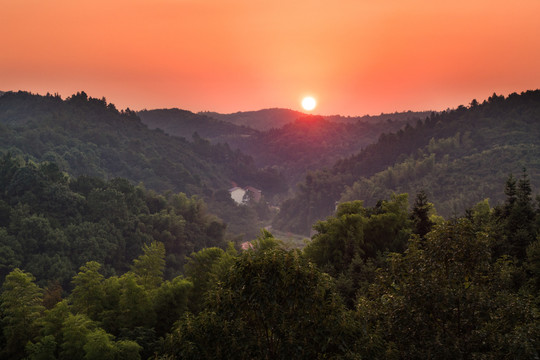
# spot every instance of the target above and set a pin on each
(420, 215)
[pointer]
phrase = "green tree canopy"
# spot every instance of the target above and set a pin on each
(20, 308)
(272, 304)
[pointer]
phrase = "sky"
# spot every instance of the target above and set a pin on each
(355, 57)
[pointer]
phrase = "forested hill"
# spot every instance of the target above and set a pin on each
(459, 157)
(396, 116)
(311, 143)
(307, 142)
(267, 119)
(51, 223)
(184, 123)
(87, 136)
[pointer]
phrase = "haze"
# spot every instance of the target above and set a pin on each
(356, 57)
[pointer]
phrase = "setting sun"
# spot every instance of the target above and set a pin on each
(309, 103)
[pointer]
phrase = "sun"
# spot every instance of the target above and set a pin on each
(309, 103)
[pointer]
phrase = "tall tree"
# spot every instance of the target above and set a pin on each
(149, 267)
(518, 216)
(422, 224)
(20, 305)
(87, 295)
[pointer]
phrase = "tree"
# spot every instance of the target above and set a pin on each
(517, 216)
(203, 270)
(75, 330)
(339, 238)
(171, 302)
(358, 231)
(10, 253)
(135, 304)
(149, 267)
(42, 350)
(99, 346)
(87, 295)
(51, 331)
(20, 305)
(420, 215)
(445, 299)
(272, 304)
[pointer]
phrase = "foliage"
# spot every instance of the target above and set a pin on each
(312, 142)
(346, 244)
(102, 318)
(445, 298)
(54, 224)
(204, 269)
(448, 294)
(271, 304)
(85, 136)
(377, 280)
(20, 306)
(420, 215)
(459, 157)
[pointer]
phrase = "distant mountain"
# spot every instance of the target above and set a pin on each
(276, 118)
(311, 143)
(303, 143)
(185, 123)
(396, 116)
(265, 119)
(458, 157)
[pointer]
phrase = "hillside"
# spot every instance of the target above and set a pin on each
(184, 123)
(396, 116)
(87, 136)
(307, 142)
(459, 157)
(267, 119)
(311, 143)
(51, 224)
(105, 269)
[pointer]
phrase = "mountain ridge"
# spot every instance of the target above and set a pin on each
(88, 136)
(480, 144)
(267, 119)
(185, 123)
(308, 143)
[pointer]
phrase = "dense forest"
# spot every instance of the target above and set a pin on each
(261, 120)
(458, 157)
(106, 253)
(88, 136)
(51, 224)
(381, 282)
(310, 143)
(289, 142)
(184, 123)
(267, 119)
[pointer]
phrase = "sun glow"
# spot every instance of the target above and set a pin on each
(309, 103)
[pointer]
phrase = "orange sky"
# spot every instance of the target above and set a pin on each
(355, 56)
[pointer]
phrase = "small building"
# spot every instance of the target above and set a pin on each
(244, 195)
(237, 194)
(253, 193)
